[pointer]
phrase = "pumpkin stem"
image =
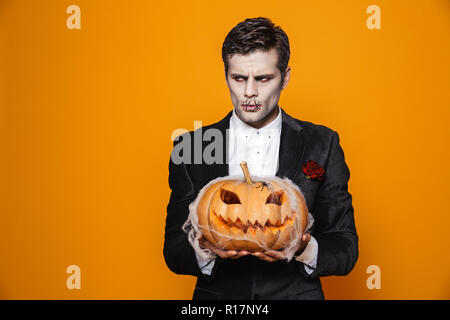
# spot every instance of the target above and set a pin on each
(246, 172)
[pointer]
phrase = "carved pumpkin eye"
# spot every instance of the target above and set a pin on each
(276, 198)
(229, 197)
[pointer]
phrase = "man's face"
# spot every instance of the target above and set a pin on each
(255, 86)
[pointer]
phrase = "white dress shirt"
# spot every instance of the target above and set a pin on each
(260, 149)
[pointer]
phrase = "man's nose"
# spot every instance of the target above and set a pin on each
(251, 89)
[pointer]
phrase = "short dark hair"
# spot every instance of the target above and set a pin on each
(257, 34)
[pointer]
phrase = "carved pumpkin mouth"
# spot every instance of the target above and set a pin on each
(249, 224)
(253, 227)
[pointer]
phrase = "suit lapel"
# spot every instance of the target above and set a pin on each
(221, 169)
(292, 147)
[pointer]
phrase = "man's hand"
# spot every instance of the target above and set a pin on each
(224, 254)
(305, 239)
(272, 255)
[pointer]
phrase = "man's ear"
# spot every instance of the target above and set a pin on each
(287, 76)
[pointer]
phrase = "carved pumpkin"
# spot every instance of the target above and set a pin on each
(253, 216)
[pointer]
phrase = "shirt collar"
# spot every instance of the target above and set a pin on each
(240, 125)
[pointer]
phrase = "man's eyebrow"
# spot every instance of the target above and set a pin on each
(258, 77)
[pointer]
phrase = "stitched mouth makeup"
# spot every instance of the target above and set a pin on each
(251, 107)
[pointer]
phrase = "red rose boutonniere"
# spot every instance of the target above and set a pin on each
(313, 170)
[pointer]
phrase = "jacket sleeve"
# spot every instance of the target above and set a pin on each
(178, 253)
(335, 229)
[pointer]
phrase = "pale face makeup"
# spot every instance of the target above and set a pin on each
(254, 83)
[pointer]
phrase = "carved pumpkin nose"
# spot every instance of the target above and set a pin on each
(253, 216)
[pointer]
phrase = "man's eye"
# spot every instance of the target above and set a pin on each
(238, 79)
(264, 79)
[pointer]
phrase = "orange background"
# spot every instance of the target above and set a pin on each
(87, 115)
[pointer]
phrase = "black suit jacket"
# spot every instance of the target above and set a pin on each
(328, 201)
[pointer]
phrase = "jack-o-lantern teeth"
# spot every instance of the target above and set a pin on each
(259, 218)
(261, 233)
(272, 214)
(219, 209)
(239, 226)
(234, 213)
(286, 211)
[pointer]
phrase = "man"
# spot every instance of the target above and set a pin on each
(256, 55)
